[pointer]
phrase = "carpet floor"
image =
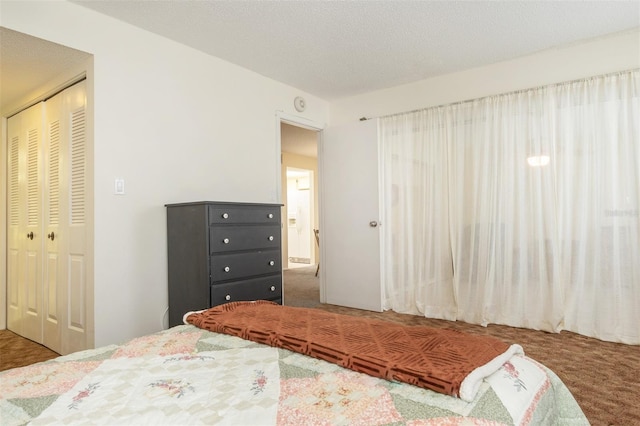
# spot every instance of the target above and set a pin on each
(602, 376)
(16, 351)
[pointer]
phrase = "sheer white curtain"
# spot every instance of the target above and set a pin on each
(599, 198)
(520, 209)
(416, 247)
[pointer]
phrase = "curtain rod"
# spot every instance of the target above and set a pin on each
(507, 93)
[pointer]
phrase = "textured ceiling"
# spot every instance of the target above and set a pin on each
(27, 63)
(297, 140)
(335, 49)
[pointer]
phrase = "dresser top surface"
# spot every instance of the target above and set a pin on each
(223, 203)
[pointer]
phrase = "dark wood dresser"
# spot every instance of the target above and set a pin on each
(222, 252)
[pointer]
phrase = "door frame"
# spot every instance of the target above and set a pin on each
(305, 123)
(74, 73)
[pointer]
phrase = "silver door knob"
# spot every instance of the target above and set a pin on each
(373, 224)
(270, 215)
(270, 237)
(228, 297)
(273, 288)
(226, 241)
(225, 215)
(227, 269)
(271, 263)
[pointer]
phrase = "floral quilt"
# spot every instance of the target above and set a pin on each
(186, 375)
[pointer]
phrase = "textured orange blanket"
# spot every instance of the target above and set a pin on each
(436, 359)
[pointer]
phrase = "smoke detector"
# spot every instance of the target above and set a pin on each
(299, 103)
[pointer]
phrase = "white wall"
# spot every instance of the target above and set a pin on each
(604, 55)
(176, 125)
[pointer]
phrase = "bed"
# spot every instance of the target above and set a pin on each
(232, 368)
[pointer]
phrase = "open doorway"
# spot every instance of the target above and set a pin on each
(299, 189)
(50, 89)
(299, 218)
(299, 152)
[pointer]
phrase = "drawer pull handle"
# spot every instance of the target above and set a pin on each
(227, 269)
(271, 263)
(227, 297)
(270, 215)
(226, 241)
(270, 237)
(225, 215)
(273, 288)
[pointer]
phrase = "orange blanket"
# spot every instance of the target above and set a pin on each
(436, 359)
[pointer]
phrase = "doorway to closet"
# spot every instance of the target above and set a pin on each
(47, 293)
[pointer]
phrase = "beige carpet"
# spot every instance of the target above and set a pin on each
(301, 287)
(604, 377)
(16, 351)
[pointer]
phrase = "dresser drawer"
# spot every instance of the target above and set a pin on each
(266, 288)
(234, 238)
(220, 214)
(238, 265)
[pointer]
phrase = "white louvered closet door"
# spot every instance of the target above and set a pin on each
(14, 220)
(65, 313)
(47, 274)
(73, 218)
(54, 265)
(24, 254)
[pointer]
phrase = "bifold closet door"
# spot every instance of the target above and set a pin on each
(54, 212)
(47, 278)
(71, 282)
(24, 239)
(64, 268)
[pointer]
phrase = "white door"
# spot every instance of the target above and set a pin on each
(53, 219)
(65, 268)
(77, 302)
(15, 219)
(47, 291)
(349, 235)
(25, 223)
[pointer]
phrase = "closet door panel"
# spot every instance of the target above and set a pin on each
(32, 278)
(32, 283)
(15, 234)
(76, 303)
(30, 254)
(75, 331)
(54, 270)
(52, 314)
(14, 314)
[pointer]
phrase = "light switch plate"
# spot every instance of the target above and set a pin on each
(119, 187)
